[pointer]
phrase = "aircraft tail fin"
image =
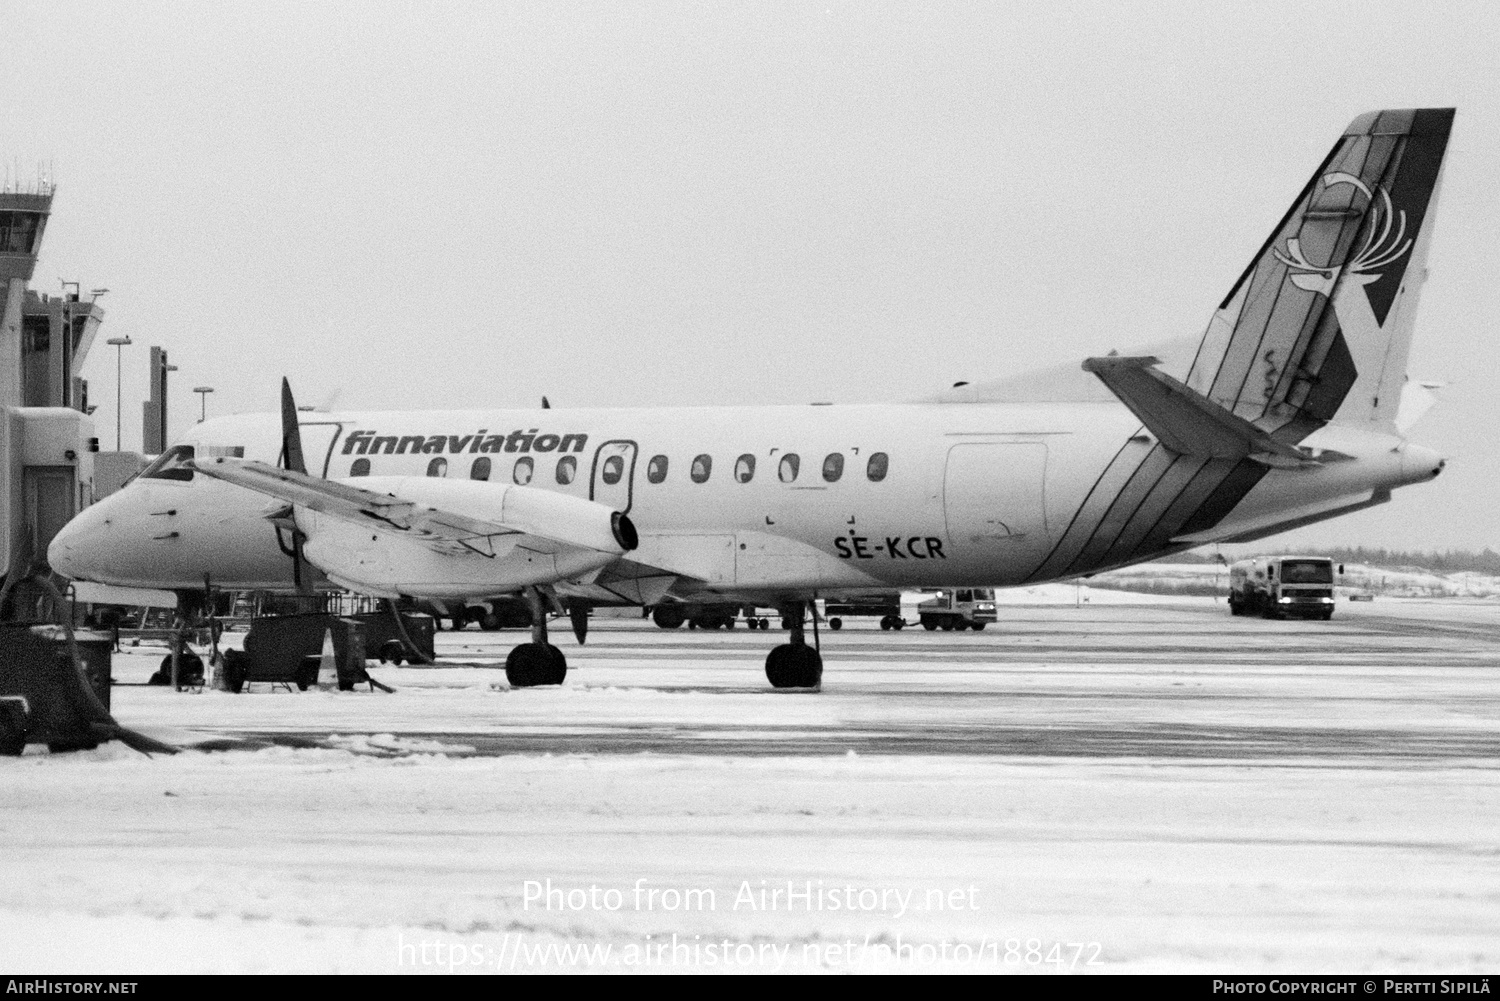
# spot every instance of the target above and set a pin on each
(1318, 327)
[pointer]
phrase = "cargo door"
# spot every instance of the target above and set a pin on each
(993, 501)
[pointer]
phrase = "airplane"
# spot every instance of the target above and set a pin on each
(1286, 412)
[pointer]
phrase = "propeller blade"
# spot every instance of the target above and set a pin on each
(291, 430)
(291, 454)
(578, 611)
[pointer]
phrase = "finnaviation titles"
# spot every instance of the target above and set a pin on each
(373, 443)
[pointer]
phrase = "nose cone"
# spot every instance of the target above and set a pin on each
(76, 551)
(1420, 464)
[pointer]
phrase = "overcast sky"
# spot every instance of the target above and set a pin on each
(437, 205)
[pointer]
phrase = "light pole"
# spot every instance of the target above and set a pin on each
(203, 392)
(119, 343)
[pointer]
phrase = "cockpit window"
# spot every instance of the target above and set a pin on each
(169, 465)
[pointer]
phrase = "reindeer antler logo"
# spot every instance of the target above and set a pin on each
(1380, 249)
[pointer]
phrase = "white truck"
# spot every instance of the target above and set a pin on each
(1278, 586)
(965, 608)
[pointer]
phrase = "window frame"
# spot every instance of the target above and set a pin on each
(745, 461)
(781, 467)
(651, 474)
(837, 460)
(707, 463)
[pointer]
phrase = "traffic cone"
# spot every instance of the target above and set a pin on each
(328, 664)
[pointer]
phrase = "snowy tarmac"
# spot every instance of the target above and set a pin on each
(1139, 786)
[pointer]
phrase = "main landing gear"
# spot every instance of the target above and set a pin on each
(795, 664)
(537, 662)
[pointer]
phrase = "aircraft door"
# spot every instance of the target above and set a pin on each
(993, 503)
(318, 439)
(614, 472)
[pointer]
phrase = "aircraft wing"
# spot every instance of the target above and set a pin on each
(1184, 420)
(447, 515)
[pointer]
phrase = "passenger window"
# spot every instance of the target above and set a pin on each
(480, 470)
(614, 468)
(703, 465)
(790, 463)
(359, 467)
(878, 466)
(656, 469)
(744, 468)
(522, 473)
(438, 467)
(567, 469)
(833, 467)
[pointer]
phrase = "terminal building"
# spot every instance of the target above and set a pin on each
(47, 442)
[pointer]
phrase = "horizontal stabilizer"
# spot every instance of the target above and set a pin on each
(1182, 419)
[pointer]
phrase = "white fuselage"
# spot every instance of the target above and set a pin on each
(971, 494)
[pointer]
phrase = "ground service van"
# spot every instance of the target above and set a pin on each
(965, 608)
(1278, 586)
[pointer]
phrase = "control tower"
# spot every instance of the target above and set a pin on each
(46, 436)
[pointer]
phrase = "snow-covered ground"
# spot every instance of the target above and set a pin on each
(1146, 786)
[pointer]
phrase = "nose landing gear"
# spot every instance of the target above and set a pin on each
(537, 662)
(795, 664)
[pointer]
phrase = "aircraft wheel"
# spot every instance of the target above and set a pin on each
(189, 670)
(667, 616)
(835, 623)
(532, 664)
(794, 666)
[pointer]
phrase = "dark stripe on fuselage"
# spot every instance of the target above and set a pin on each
(1117, 518)
(1115, 475)
(1167, 490)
